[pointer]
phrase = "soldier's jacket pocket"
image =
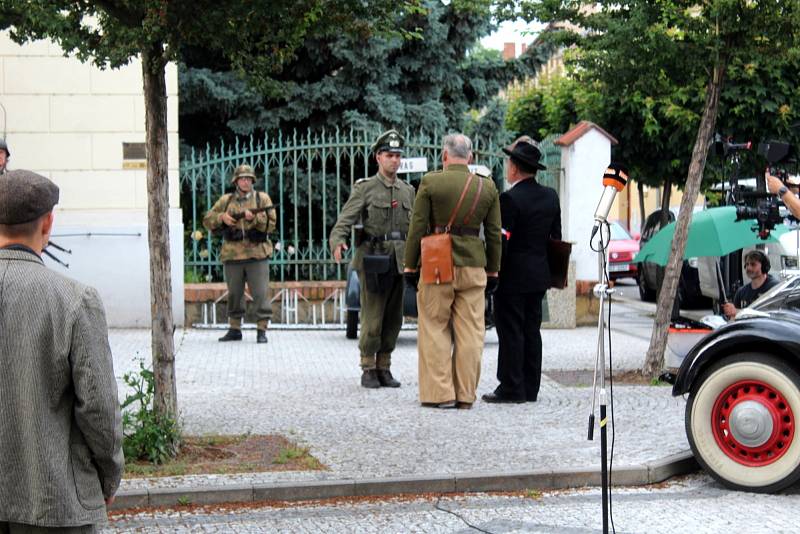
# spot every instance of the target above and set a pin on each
(408, 204)
(378, 215)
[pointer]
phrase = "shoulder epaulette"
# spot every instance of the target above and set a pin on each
(362, 180)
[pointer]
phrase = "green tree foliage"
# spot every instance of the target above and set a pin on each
(430, 82)
(660, 68)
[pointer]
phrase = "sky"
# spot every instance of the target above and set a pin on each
(512, 32)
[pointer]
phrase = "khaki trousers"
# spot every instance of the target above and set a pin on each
(450, 336)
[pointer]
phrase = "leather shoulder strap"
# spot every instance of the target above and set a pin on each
(474, 202)
(460, 202)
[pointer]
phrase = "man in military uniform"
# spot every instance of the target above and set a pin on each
(4, 155)
(382, 203)
(451, 315)
(245, 218)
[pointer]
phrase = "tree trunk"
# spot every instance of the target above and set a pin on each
(155, 99)
(640, 187)
(666, 198)
(654, 361)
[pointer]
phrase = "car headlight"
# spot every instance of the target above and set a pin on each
(693, 262)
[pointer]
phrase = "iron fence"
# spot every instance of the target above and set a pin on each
(309, 176)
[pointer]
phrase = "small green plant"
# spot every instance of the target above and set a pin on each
(183, 500)
(290, 453)
(147, 435)
(533, 494)
(655, 381)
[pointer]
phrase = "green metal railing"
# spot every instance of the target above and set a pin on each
(310, 177)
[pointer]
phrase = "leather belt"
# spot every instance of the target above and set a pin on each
(458, 230)
(391, 236)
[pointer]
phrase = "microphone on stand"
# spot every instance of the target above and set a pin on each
(614, 180)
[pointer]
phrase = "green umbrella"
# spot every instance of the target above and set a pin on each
(713, 232)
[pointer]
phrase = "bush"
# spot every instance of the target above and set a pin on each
(147, 435)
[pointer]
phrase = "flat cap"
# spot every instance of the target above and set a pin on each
(389, 141)
(25, 196)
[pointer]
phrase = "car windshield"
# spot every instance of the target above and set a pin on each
(786, 294)
(618, 232)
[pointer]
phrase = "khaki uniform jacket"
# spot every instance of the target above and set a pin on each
(265, 222)
(60, 426)
(383, 207)
(437, 197)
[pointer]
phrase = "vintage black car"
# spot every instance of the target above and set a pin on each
(743, 386)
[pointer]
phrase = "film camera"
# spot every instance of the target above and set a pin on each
(762, 206)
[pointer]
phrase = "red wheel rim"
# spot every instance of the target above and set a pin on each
(781, 436)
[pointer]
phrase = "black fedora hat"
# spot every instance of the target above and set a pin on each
(525, 155)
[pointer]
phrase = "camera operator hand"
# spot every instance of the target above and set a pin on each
(776, 186)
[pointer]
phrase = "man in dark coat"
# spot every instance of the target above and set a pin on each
(531, 215)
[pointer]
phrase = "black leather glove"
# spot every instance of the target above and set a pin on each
(491, 284)
(411, 280)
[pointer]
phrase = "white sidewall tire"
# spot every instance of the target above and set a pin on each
(703, 437)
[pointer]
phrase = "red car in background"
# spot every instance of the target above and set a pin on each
(621, 251)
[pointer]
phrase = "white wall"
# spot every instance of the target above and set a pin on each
(584, 163)
(67, 120)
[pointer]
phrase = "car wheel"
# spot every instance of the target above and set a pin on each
(740, 421)
(352, 324)
(645, 293)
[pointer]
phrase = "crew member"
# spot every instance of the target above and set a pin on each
(776, 186)
(756, 267)
(382, 204)
(245, 218)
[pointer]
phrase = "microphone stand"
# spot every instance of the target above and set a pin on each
(601, 291)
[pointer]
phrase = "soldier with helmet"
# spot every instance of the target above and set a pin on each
(5, 153)
(382, 204)
(244, 218)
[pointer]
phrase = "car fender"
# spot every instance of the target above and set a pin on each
(762, 334)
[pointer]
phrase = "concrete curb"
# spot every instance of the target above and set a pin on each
(639, 475)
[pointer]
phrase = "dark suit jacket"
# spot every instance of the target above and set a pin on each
(532, 214)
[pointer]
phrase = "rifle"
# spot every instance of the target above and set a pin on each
(240, 215)
(52, 256)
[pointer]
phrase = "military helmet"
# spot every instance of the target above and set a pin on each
(4, 146)
(243, 171)
(389, 141)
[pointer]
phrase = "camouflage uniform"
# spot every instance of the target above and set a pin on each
(384, 208)
(243, 255)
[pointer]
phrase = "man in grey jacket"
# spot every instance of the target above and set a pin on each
(60, 426)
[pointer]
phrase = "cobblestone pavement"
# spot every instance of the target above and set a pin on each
(692, 504)
(305, 385)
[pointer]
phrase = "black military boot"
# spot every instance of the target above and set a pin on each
(261, 336)
(386, 379)
(232, 335)
(369, 379)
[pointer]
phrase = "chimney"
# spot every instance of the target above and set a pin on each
(509, 51)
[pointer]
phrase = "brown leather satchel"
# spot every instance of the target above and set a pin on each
(558, 260)
(436, 250)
